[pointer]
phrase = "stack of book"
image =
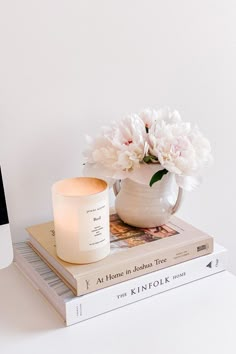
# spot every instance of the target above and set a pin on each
(142, 263)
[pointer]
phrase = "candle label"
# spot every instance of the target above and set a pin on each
(95, 225)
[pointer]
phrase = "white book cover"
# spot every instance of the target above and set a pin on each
(75, 309)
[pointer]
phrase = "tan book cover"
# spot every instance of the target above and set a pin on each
(134, 252)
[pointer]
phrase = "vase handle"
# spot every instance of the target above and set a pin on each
(116, 187)
(178, 201)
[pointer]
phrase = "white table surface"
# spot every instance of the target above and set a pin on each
(195, 318)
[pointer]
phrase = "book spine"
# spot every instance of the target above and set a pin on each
(41, 277)
(134, 267)
(39, 285)
(96, 303)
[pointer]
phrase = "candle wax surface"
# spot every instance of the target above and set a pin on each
(80, 186)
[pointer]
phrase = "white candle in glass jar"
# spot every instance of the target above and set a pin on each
(81, 219)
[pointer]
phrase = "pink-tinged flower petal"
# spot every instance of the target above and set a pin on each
(148, 116)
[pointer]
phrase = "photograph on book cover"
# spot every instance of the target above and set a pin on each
(126, 236)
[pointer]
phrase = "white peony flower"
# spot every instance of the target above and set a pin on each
(179, 148)
(139, 146)
(120, 148)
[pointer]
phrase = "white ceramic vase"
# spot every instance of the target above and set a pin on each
(143, 206)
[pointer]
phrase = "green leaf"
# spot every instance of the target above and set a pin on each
(150, 159)
(147, 159)
(157, 176)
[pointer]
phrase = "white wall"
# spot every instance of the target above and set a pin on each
(68, 67)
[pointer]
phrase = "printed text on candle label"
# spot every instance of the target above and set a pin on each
(95, 224)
